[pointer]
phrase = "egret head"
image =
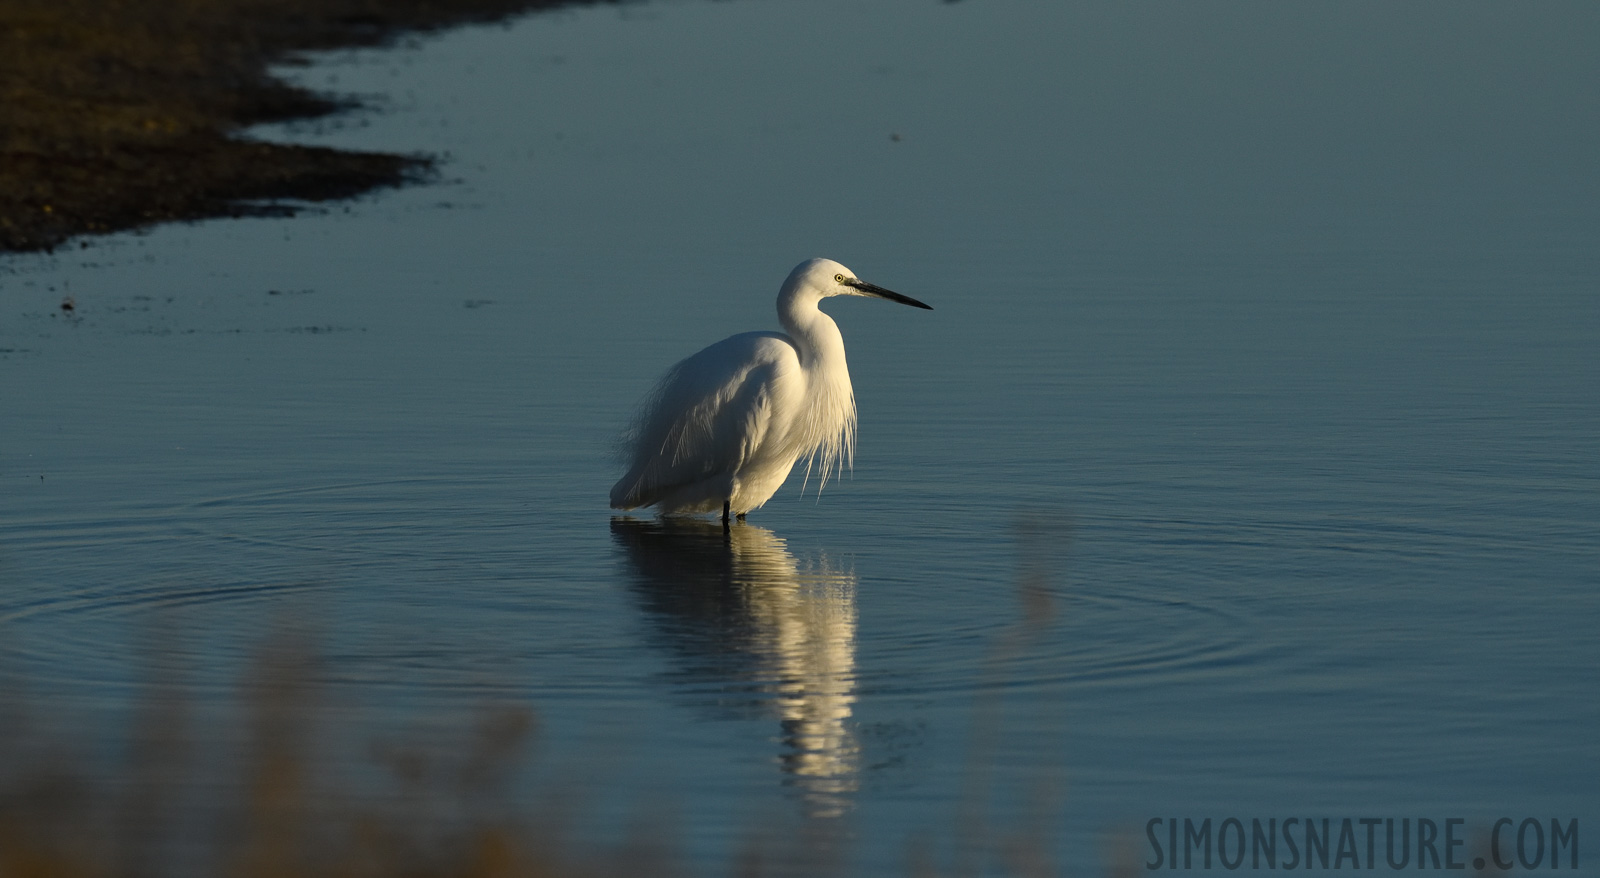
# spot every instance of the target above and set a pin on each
(824, 277)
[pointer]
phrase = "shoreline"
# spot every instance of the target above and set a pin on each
(118, 115)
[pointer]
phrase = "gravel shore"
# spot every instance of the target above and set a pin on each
(116, 114)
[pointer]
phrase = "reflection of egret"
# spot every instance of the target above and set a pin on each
(725, 426)
(742, 612)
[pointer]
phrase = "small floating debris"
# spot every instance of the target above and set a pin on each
(69, 305)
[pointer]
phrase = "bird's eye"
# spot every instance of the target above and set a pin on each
(838, 278)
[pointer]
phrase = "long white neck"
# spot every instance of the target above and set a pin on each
(815, 334)
(827, 433)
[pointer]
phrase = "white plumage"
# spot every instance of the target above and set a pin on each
(724, 427)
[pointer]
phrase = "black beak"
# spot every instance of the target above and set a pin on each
(880, 292)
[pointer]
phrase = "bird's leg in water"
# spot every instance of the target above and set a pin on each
(726, 506)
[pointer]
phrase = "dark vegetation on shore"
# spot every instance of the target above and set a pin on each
(117, 114)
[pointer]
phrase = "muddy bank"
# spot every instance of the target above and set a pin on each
(116, 114)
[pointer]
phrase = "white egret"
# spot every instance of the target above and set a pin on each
(724, 427)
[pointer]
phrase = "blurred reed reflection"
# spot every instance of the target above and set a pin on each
(744, 617)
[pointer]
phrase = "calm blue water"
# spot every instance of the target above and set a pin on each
(1268, 334)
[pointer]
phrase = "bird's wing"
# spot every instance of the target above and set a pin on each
(705, 418)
